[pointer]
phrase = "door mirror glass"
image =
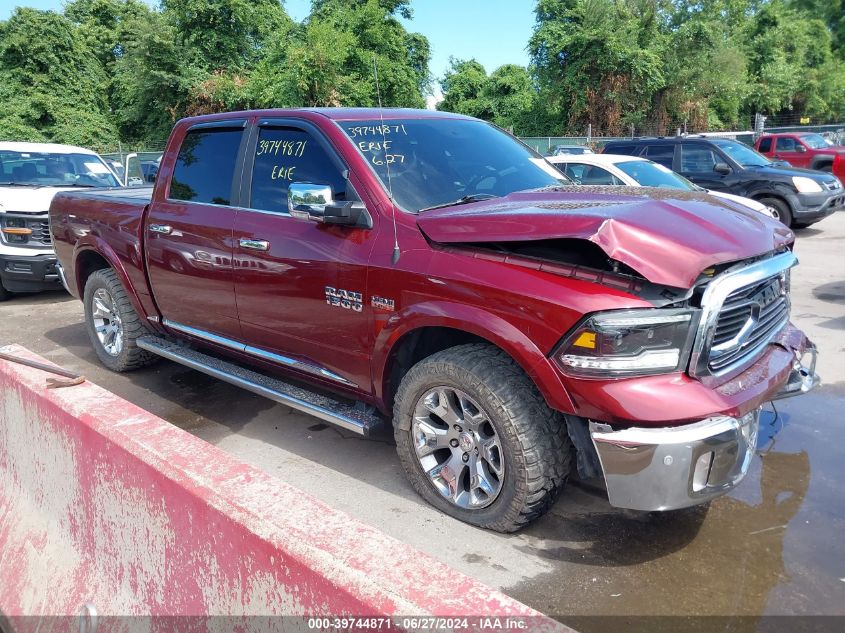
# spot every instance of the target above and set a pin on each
(800, 148)
(722, 168)
(308, 201)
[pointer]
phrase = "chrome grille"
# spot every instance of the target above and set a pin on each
(833, 185)
(748, 319)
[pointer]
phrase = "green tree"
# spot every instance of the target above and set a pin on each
(104, 25)
(328, 60)
(792, 64)
(598, 61)
(226, 34)
(464, 89)
(51, 83)
(153, 80)
(511, 93)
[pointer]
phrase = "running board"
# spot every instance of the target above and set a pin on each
(353, 417)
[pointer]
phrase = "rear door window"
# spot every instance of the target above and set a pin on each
(765, 145)
(205, 167)
(627, 150)
(285, 155)
(662, 154)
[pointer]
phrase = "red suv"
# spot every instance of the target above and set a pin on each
(804, 149)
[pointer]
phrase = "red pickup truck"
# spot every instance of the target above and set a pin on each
(429, 269)
(804, 149)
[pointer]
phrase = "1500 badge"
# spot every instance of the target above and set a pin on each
(344, 299)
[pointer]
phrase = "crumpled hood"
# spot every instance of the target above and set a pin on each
(28, 199)
(668, 236)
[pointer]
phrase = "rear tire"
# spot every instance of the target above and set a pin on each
(782, 209)
(827, 168)
(502, 456)
(112, 323)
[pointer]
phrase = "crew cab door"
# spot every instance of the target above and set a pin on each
(791, 150)
(301, 285)
(188, 232)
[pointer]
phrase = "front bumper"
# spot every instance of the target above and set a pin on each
(29, 273)
(675, 467)
(808, 207)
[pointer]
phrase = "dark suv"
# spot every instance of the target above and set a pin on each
(799, 196)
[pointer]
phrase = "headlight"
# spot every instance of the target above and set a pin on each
(628, 342)
(806, 185)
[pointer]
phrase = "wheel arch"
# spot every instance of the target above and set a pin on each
(91, 258)
(820, 162)
(428, 328)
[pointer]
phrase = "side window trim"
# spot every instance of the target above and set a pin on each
(237, 175)
(245, 193)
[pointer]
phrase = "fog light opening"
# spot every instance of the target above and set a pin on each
(702, 471)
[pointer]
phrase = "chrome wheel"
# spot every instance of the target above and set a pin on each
(107, 323)
(458, 448)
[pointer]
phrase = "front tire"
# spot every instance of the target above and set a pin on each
(112, 323)
(478, 441)
(781, 208)
(4, 294)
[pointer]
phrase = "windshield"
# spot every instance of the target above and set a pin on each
(438, 161)
(649, 174)
(46, 169)
(742, 154)
(814, 141)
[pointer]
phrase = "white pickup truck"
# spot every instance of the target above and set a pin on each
(30, 175)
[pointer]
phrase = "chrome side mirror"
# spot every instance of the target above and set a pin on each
(307, 200)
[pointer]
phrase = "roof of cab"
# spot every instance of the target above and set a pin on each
(49, 148)
(346, 114)
(336, 114)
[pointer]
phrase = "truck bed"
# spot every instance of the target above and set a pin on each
(89, 219)
(132, 195)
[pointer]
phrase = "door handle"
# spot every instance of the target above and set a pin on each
(255, 245)
(162, 229)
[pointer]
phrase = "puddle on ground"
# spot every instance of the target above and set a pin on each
(773, 546)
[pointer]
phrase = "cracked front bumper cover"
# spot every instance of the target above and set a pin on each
(675, 467)
(666, 468)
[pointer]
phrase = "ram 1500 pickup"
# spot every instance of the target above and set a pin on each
(428, 269)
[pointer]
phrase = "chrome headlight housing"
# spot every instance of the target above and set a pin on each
(628, 343)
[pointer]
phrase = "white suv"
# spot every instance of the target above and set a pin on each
(612, 169)
(30, 175)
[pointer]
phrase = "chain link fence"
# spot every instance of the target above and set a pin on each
(833, 132)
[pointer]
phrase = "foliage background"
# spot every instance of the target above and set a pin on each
(108, 71)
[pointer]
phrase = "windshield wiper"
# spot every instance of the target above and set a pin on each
(476, 197)
(34, 185)
(41, 185)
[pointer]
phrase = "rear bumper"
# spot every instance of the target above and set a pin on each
(33, 273)
(647, 468)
